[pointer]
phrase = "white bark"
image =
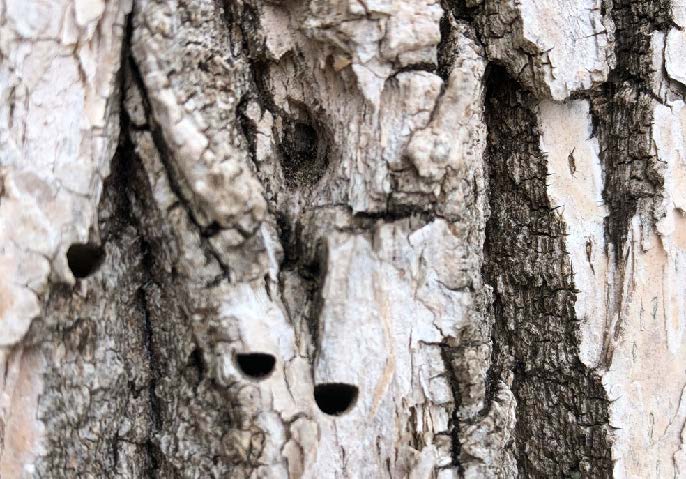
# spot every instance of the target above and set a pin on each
(58, 131)
(381, 238)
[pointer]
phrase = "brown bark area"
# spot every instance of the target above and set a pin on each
(535, 339)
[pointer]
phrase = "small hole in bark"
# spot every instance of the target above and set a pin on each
(196, 366)
(255, 365)
(335, 399)
(84, 258)
(211, 230)
(303, 154)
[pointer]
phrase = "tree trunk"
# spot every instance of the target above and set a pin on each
(342, 238)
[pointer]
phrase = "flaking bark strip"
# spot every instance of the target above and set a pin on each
(623, 112)
(134, 79)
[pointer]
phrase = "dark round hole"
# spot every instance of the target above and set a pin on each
(255, 365)
(302, 161)
(84, 258)
(300, 142)
(335, 398)
(196, 367)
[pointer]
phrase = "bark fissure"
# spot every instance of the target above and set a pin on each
(622, 118)
(566, 430)
(120, 395)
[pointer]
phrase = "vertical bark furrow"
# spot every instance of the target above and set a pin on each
(132, 363)
(639, 123)
(562, 426)
(96, 405)
(623, 112)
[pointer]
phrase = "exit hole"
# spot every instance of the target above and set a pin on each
(255, 365)
(335, 399)
(84, 259)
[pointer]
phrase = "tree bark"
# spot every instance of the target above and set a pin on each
(342, 238)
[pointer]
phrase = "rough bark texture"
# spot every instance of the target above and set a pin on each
(535, 333)
(342, 238)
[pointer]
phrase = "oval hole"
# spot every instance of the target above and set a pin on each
(255, 365)
(303, 154)
(335, 399)
(196, 367)
(84, 258)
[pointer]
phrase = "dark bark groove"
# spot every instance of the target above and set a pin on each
(120, 386)
(562, 409)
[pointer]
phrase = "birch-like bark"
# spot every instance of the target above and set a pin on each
(342, 238)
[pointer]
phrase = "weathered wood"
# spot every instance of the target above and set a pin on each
(342, 238)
